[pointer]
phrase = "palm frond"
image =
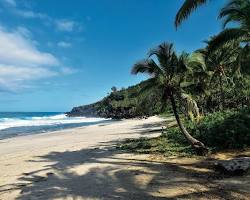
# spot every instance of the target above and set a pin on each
(196, 61)
(166, 56)
(231, 15)
(147, 66)
(191, 107)
(164, 50)
(186, 9)
(236, 11)
(227, 35)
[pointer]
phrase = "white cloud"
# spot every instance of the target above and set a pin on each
(17, 49)
(65, 25)
(64, 44)
(24, 73)
(31, 14)
(60, 24)
(68, 70)
(10, 2)
(14, 78)
(21, 62)
(24, 31)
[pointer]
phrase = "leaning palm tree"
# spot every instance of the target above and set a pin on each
(167, 74)
(238, 12)
(186, 9)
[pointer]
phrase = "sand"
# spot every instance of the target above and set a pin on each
(83, 163)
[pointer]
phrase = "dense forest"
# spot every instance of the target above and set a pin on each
(208, 90)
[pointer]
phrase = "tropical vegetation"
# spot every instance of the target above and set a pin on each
(208, 90)
(215, 78)
(169, 76)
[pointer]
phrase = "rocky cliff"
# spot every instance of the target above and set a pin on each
(86, 110)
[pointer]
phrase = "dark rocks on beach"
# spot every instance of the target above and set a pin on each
(87, 111)
(233, 167)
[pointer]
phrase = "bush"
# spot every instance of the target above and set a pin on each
(219, 130)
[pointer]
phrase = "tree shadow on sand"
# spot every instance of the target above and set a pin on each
(106, 173)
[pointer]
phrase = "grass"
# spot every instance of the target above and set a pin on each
(159, 145)
(219, 131)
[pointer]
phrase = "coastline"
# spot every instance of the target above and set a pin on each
(18, 156)
(83, 163)
(15, 124)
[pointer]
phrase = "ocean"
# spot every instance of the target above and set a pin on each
(14, 124)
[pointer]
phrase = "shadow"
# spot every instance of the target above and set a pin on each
(155, 124)
(147, 129)
(106, 173)
(151, 128)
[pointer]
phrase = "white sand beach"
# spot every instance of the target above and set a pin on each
(83, 163)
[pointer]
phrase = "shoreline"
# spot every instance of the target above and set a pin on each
(14, 124)
(18, 155)
(58, 129)
(83, 163)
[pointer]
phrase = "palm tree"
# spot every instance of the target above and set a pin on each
(186, 9)
(238, 12)
(167, 74)
(219, 65)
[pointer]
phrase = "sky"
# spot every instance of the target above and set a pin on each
(55, 55)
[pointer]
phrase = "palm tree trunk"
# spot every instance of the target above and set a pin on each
(222, 103)
(196, 144)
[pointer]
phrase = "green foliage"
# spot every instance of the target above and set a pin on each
(161, 145)
(238, 12)
(130, 102)
(215, 81)
(219, 130)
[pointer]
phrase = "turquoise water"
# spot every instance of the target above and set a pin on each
(14, 124)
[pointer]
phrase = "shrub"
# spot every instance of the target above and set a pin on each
(219, 130)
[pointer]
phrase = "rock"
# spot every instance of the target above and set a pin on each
(87, 111)
(39, 178)
(50, 174)
(236, 166)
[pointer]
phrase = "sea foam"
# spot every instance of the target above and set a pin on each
(59, 119)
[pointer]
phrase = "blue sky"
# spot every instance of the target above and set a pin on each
(58, 54)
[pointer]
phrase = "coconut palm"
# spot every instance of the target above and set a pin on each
(238, 12)
(168, 74)
(219, 65)
(186, 9)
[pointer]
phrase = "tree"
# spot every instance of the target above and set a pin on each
(186, 9)
(237, 12)
(114, 89)
(220, 64)
(167, 74)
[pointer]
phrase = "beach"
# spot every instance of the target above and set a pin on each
(84, 163)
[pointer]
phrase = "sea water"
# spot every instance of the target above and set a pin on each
(24, 123)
